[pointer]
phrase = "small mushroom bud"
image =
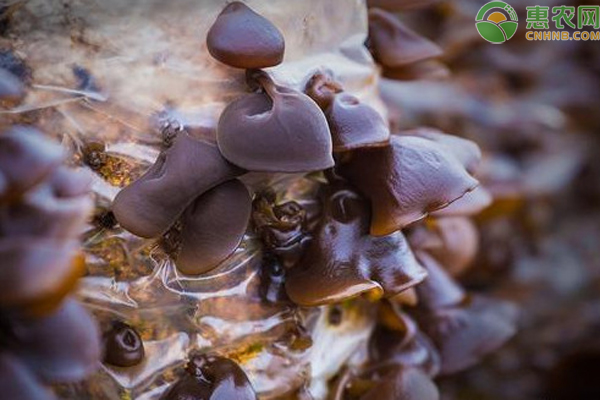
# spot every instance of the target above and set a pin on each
(242, 38)
(406, 180)
(213, 227)
(123, 346)
(11, 89)
(211, 378)
(322, 88)
(395, 45)
(190, 167)
(344, 261)
(279, 130)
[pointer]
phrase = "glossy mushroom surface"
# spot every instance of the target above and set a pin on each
(406, 180)
(211, 378)
(277, 130)
(352, 123)
(190, 167)
(123, 346)
(213, 227)
(241, 38)
(344, 260)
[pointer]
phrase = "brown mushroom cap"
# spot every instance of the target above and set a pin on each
(212, 378)
(213, 227)
(344, 261)
(123, 346)
(190, 167)
(406, 180)
(279, 130)
(355, 125)
(242, 38)
(463, 328)
(12, 91)
(395, 45)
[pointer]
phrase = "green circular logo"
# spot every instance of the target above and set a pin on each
(496, 22)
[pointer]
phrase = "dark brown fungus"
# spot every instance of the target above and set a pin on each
(281, 227)
(406, 180)
(452, 241)
(190, 167)
(211, 378)
(278, 130)
(352, 124)
(123, 346)
(463, 328)
(26, 158)
(12, 91)
(471, 203)
(395, 45)
(466, 151)
(213, 227)
(242, 38)
(62, 346)
(344, 261)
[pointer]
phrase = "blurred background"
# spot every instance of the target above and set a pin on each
(534, 108)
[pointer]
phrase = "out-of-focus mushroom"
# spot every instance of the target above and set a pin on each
(277, 130)
(344, 261)
(406, 180)
(400, 5)
(397, 340)
(241, 38)
(403, 384)
(17, 382)
(395, 45)
(452, 241)
(56, 266)
(352, 124)
(213, 227)
(190, 167)
(60, 347)
(26, 158)
(464, 328)
(12, 91)
(212, 378)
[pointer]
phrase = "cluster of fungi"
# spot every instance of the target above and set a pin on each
(387, 223)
